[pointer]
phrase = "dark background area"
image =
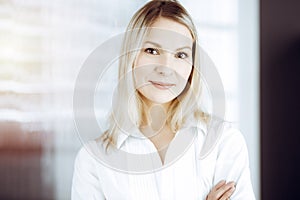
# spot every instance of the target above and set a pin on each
(279, 98)
(21, 152)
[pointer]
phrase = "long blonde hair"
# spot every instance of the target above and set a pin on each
(128, 110)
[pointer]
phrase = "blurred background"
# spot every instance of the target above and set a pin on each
(44, 43)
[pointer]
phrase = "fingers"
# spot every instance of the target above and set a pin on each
(221, 191)
(220, 184)
(228, 194)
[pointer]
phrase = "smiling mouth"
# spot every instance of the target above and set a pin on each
(162, 85)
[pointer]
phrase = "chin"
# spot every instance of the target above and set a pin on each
(161, 100)
(157, 97)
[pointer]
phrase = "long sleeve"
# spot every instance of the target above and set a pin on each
(233, 164)
(86, 184)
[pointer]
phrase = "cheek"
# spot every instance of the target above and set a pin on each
(141, 73)
(137, 70)
(142, 60)
(139, 77)
(184, 72)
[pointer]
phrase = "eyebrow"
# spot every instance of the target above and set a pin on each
(159, 46)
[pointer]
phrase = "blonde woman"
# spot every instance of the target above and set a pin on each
(160, 144)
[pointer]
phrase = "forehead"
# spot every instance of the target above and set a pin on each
(169, 34)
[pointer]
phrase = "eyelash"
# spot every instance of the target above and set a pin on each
(150, 51)
(177, 55)
(181, 53)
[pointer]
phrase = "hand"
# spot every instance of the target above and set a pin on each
(222, 191)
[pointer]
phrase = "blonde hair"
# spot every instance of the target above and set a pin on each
(128, 110)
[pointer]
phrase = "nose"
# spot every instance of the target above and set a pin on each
(164, 67)
(163, 70)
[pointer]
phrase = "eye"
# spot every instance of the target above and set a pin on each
(152, 51)
(181, 55)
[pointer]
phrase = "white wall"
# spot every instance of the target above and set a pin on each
(249, 84)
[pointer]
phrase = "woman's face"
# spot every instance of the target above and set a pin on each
(164, 63)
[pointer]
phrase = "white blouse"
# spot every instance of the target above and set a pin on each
(207, 159)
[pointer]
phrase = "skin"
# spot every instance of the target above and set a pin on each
(161, 72)
(221, 191)
(161, 60)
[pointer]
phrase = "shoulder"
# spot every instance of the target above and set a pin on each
(231, 138)
(232, 147)
(85, 157)
(220, 136)
(225, 134)
(86, 183)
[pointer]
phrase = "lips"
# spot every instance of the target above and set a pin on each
(162, 85)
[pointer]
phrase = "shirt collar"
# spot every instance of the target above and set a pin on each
(121, 139)
(123, 135)
(135, 132)
(198, 124)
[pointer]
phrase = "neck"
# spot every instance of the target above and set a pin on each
(155, 115)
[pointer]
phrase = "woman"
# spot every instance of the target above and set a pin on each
(160, 144)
